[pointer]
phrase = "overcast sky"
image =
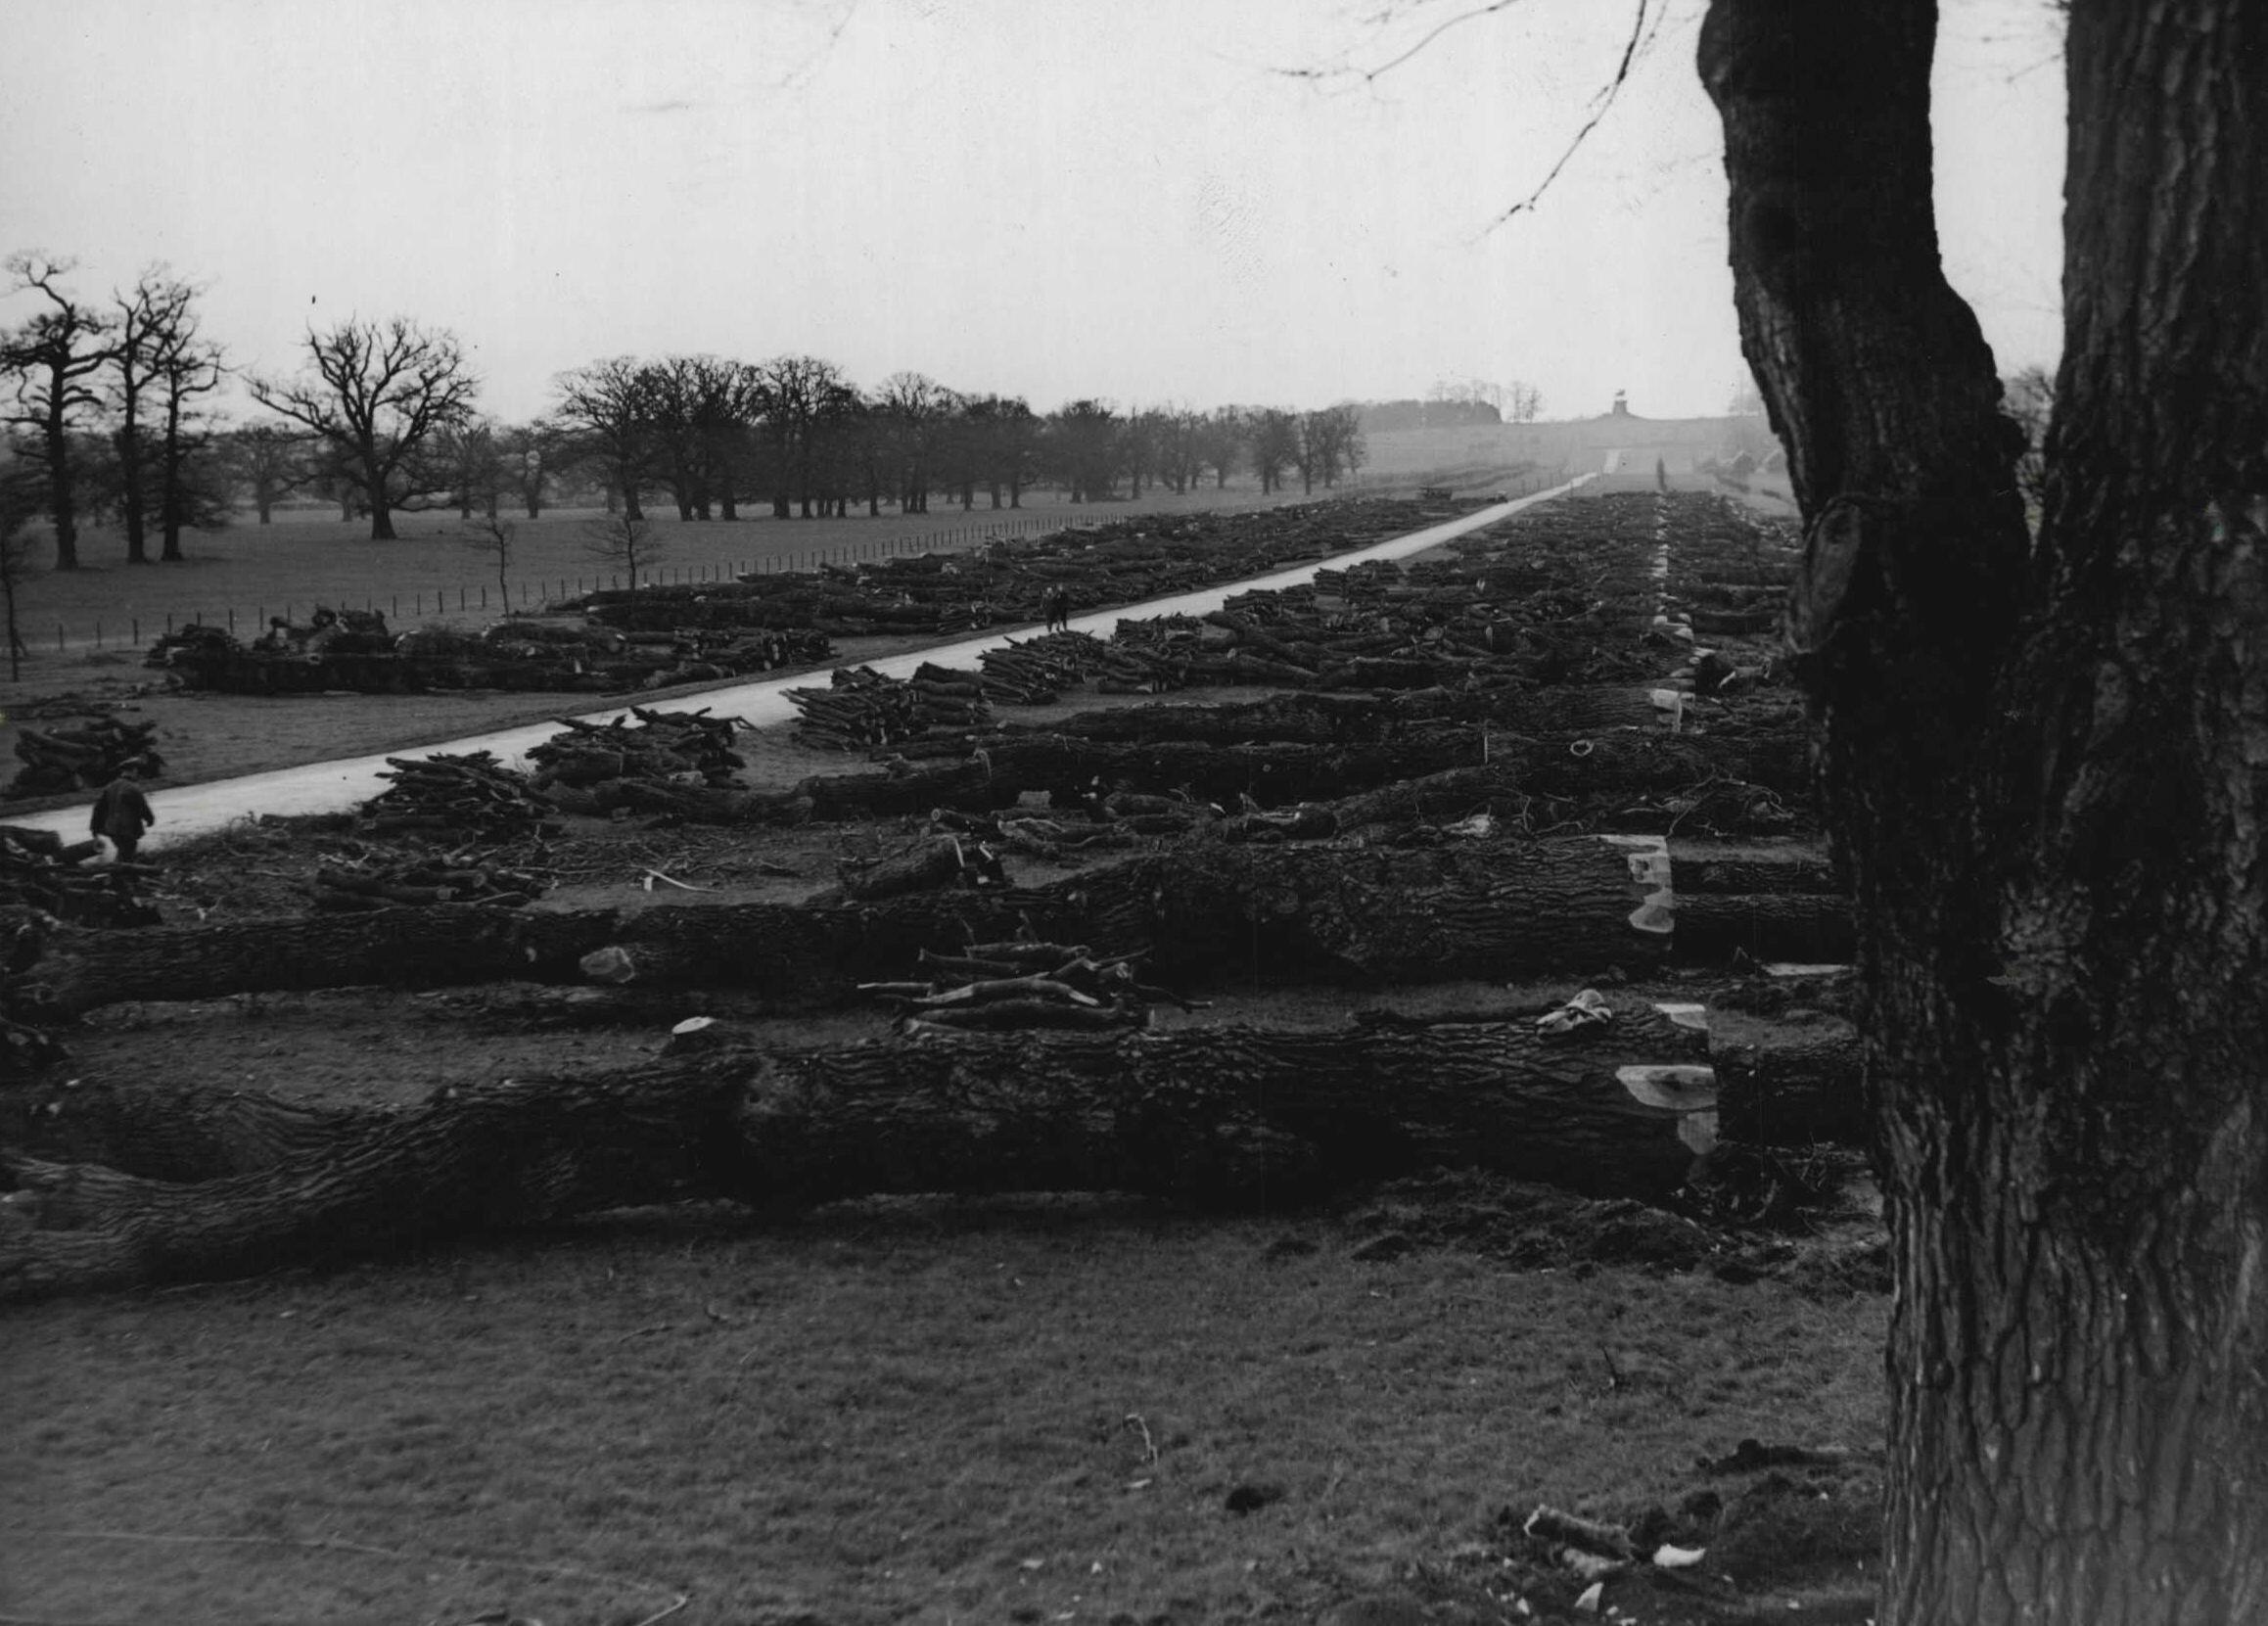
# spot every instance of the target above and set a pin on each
(1129, 199)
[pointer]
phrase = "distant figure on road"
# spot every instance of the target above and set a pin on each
(1661, 474)
(121, 813)
(1056, 603)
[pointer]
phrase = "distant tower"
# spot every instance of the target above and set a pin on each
(1621, 405)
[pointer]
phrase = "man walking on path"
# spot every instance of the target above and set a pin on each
(121, 813)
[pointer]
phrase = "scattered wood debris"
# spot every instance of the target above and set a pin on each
(1025, 985)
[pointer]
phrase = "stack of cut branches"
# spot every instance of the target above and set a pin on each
(1025, 985)
(455, 793)
(424, 881)
(688, 748)
(39, 870)
(1055, 660)
(85, 756)
(1002, 679)
(862, 709)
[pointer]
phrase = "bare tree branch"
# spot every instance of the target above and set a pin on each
(1599, 106)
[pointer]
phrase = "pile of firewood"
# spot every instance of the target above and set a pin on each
(85, 756)
(442, 792)
(862, 709)
(424, 881)
(1025, 985)
(39, 870)
(688, 748)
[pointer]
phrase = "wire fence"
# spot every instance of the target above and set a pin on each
(131, 631)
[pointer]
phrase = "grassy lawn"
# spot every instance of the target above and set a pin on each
(885, 1411)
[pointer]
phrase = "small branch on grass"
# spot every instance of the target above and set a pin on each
(642, 1331)
(1149, 1446)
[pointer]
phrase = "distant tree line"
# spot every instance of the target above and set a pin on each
(107, 405)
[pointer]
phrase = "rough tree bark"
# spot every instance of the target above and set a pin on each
(2044, 766)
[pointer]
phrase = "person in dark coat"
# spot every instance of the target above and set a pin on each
(121, 813)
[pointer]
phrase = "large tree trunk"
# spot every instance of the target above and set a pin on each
(61, 497)
(1225, 1116)
(2045, 775)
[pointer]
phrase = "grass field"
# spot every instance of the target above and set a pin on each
(885, 1411)
(304, 559)
(250, 571)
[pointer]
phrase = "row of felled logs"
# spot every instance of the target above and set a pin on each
(85, 756)
(1203, 914)
(1219, 1116)
(116, 1188)
(1298, 748)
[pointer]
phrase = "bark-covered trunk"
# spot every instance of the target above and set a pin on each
(61, 498)
(173, 455)
(133, 492)
(1221, 1116)
(2044, 769)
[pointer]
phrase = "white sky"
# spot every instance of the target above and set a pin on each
(1119, 198)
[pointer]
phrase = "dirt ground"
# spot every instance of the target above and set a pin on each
(1048, 1408)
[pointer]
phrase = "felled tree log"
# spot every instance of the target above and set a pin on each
(1739, 868)
(1217, 1116)
(1791, 1081)
(172, 1132)
(1204, 912)
(1629, 763)
(1712, 927)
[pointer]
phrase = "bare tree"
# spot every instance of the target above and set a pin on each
(497, 540)
(50, 363)
(1085, 449)
(191, 485)
(269, 461)
(1274, 446)
(529, 452)
(916, 412)
(146, 319)
(800, 399)
(473, 456)
(376, 394)
(624, 543)
(1328, 443)
(608, 422)
(1221, 442)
